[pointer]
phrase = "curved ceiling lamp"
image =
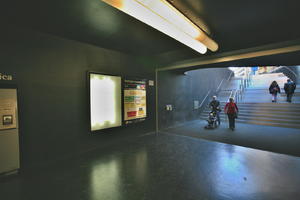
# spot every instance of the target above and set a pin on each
(162, 16)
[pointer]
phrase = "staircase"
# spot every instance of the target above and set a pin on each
(268, 114)
(256, 106)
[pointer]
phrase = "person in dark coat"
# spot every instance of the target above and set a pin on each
(274, 89)
(215, 107)
(289, 89)
(231, 110)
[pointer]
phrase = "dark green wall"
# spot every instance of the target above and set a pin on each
(180, 90)
(50, 74)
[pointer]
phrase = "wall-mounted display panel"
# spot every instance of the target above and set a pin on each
(9, 132)
(134, 100)
(105, 101)
(8, 107)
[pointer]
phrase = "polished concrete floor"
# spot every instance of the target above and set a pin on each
(162, 167)
(275, 139)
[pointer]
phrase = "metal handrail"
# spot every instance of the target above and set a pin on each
(204, 99)
(216, 91)
(220, 85)
(229, 76)
(230, 95)
(237, 94)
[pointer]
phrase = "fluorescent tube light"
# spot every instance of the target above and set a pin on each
(164, 17)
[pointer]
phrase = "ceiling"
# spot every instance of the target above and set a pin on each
(233, 24)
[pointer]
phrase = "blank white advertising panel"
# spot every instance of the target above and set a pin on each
(105, 101)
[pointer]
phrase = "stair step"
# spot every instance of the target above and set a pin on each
(270, 106)
(260, 115)
(296, 94)
(279, 111)
(266, 104)
(266, 112)
(260, 118)
(286, 125)
(291, 106)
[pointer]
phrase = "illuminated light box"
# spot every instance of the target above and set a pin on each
(105, 101)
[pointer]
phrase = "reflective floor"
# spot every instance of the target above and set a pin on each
(163, 167)
(275, 139)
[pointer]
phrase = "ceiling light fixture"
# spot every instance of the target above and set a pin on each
(162, 16)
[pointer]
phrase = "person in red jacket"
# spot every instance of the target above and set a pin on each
(231, 110)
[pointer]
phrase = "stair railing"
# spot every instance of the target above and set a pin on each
(244, 83)
(205, 100)
(236, 95)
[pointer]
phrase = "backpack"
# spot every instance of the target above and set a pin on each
(291, 87)
(231, 108)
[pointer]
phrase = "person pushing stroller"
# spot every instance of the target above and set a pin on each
(211, 121)
(214, 105)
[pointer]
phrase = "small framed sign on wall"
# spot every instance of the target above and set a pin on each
(7, 119)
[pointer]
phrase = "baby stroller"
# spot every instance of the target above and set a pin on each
(212, 120)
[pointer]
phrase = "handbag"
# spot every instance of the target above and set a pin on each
(235, 115)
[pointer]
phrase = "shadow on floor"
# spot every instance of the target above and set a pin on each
(275, 139)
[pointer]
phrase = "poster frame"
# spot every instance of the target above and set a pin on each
(138, 120)
(12, 86)
(88, 76)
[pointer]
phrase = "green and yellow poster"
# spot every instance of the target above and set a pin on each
(134, 100)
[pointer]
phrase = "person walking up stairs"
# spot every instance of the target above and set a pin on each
(289, 89)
